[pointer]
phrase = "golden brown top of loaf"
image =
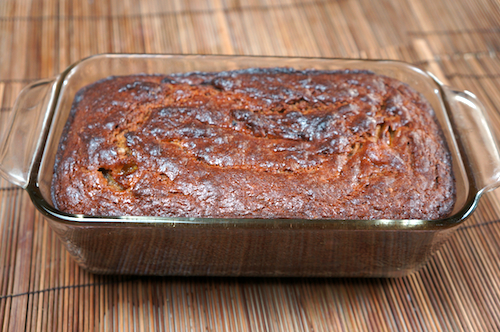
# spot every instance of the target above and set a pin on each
(255, 143)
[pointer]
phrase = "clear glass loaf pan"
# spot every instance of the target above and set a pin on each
(243, 247)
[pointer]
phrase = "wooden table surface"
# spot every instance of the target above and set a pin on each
(41, 287)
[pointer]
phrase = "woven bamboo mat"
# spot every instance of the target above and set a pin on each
(42, 289)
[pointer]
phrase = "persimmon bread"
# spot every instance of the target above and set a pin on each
(254, 143)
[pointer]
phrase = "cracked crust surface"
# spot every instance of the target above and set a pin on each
(256, 143)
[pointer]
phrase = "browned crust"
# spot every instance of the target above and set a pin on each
(262, 143)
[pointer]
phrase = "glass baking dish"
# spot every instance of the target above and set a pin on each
(243, 247)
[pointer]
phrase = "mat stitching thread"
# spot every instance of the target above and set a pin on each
(474, 76)
(486, 223)
(10, 188)
(460, 55)
(421, 62)
(164, 13)
(21, 80)
(3, 297)
(457, 56)
(453, 32)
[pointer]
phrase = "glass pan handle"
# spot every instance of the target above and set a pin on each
(21, 140)
(473, 128)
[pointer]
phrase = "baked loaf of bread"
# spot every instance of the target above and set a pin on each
(255, 143)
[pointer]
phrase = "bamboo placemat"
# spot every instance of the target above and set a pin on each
(42, 289)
